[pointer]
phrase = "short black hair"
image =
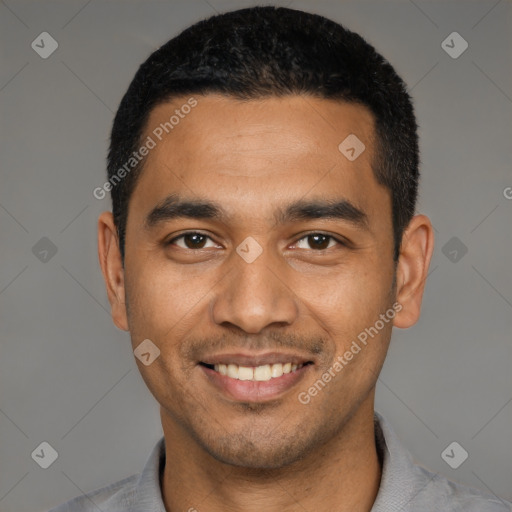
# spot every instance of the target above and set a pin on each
(270, 51)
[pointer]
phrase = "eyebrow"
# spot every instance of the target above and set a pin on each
(174, 206)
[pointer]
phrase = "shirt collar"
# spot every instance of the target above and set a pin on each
(402, 480)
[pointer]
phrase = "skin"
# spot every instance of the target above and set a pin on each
(252, 157)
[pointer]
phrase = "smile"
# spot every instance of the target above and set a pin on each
(255, 377)
(258, 373)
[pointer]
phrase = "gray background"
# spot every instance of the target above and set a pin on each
(67, 374)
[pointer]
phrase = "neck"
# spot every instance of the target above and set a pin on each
(341, 475)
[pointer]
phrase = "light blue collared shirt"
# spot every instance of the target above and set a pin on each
(405, 486)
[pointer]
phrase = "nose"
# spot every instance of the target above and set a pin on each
(255, 295)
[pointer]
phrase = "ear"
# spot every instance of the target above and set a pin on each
(112, 268)
(412, 270)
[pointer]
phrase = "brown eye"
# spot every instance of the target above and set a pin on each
(190, 240)
(318, 241)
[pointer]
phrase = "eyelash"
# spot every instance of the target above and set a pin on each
(340, 242)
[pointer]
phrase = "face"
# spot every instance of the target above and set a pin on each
(257, 254)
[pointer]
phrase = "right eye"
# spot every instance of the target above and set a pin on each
(191, 240)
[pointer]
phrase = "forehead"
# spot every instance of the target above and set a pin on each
(251, 154)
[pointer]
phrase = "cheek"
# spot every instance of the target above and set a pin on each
(348, 306)
(164, 302)
(347, 300)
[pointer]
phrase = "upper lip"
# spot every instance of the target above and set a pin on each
(260, 359)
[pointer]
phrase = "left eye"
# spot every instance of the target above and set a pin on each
(318, 241)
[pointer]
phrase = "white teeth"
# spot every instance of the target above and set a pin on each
(262, 372)
(258, 373)
(277, 370)
(245, 373)
(233, 371)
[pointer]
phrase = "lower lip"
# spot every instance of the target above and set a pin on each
(254, 391)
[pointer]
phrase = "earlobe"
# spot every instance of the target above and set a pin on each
(112, 269)
(413, 264)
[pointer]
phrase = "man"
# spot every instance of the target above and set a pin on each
(263, 243)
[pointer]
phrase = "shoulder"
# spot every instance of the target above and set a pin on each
(408, 486)
(112, 498)
(439, 493)
(132, 494)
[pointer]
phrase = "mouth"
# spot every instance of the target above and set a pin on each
(254, 378)
(261, 373)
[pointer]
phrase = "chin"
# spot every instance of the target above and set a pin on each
(254, 458)
(259, 452)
